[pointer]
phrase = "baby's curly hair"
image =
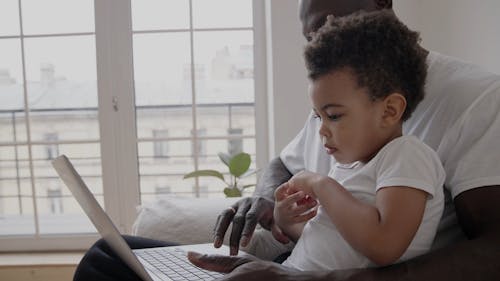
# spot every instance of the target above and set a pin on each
(382, 53)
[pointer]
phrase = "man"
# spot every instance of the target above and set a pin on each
(476, 201)
(444, 121)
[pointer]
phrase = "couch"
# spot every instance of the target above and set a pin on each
(191, 220)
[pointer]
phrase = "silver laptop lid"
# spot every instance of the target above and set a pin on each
(99, 218)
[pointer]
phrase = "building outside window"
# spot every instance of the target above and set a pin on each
(52, 148)
(200, 147)
(55, 201)
(235, 146)
(162, 191)
(203, 190)
(160, 145)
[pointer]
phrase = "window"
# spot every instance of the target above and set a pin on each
(48, 105)
(160, 145)
(161, 191)
(120, 96)
(202, 190)
(55, 201)
(193, 69)
(199, 146)
(235, 145)
(52, 148)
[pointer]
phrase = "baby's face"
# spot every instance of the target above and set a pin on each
(350, 119)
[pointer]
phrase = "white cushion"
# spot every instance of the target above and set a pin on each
(181, 220)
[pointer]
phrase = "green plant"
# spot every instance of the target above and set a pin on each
(239, 168)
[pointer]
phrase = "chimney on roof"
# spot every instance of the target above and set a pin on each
(5, 78)
(47, 74)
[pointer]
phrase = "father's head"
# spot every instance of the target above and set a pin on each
(313, 12)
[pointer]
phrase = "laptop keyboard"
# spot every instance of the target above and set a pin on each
(175, 265)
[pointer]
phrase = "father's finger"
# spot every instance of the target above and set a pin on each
(238, 225)
(222, 224)
(219, 263)
(260, 211)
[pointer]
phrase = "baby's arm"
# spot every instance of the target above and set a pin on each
(382, 232)
(291, 211)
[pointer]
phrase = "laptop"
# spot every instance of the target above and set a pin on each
(150, 264)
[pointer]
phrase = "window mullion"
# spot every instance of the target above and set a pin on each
(28, 126)
(262, 121)
(196, 140)
(117, 110)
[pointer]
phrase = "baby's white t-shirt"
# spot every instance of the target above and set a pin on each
(405, 161)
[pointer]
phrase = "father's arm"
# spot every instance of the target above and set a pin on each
(273, 176)
(477, 258)
(247, 212)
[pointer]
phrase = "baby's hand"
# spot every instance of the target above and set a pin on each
(304, 181)
(292, 207)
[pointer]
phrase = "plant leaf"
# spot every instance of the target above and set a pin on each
(239, 164)
(232, 192)
(205, 173)
(225, 158)
(248, 185)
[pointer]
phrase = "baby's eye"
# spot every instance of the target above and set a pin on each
(335, 117)
(316, 116)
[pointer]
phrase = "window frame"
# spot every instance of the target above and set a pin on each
(117, 122)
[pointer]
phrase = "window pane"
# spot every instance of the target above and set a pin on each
(12, 114)
(235, 145)
(214, 118)
(222, 69)
(223, 13)
(160, 14)
(57, 209)
(9, 17)
(162, 66)
(243, 117)
(164, 175)
(61, 77)
(163, 84)
(8, 124)
(16, 205)
(177, 120)
(14, 171)
(178, 160)
(60, 125)
(227, 80)
(155, 187)
(11, 75)
(10, 65)
(61, 72)
(15, 223)
(57, 16)
(225, 67)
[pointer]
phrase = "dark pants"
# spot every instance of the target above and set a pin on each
(101, 263)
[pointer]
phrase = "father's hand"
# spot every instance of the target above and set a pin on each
(246, 268)
(244, 214)
(250, 268)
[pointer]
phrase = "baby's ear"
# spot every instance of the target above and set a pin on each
(394, 107)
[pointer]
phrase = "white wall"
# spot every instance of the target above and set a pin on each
(467, 29)
(287, 91)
